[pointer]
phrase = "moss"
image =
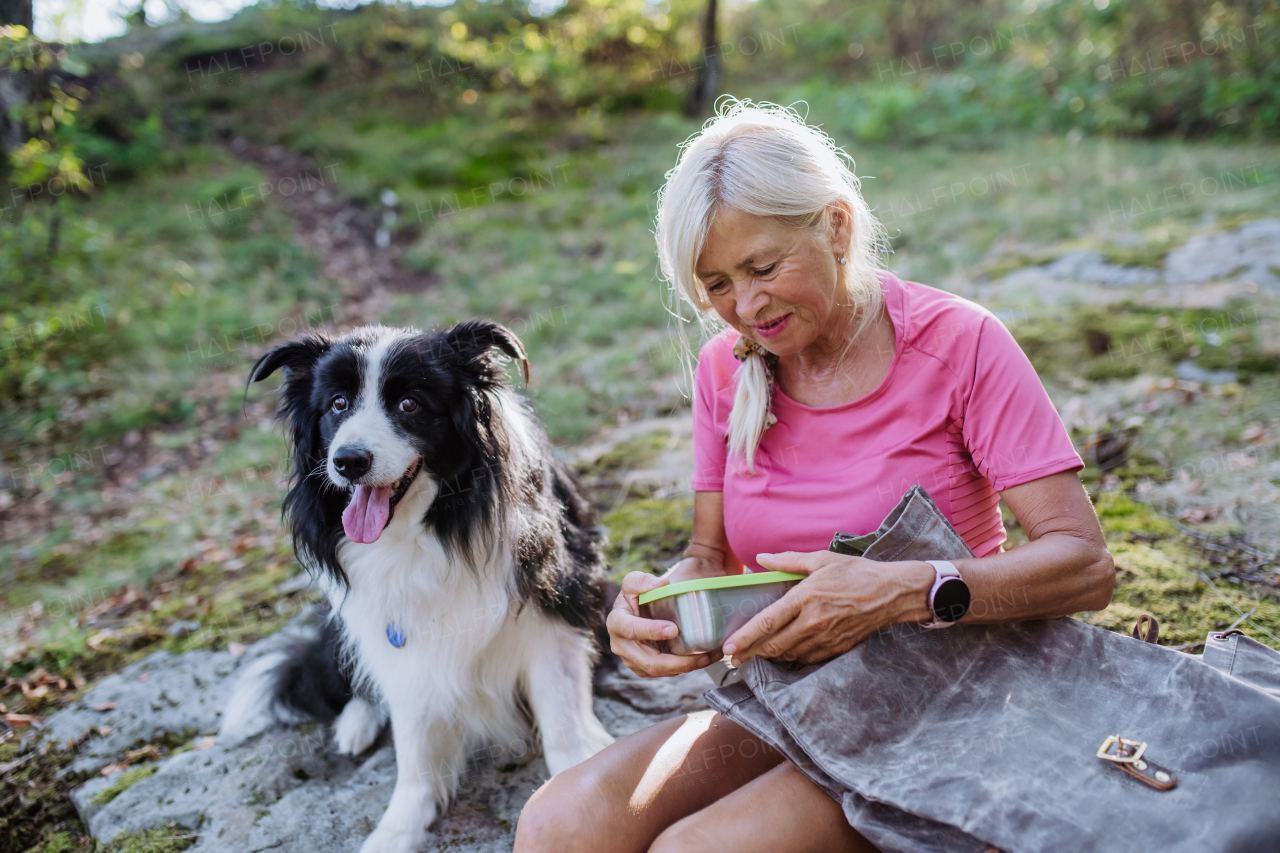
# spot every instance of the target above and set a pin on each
(1005, 264)
(36, 812)
(127, 779)
(1145, 254)
(1162, 578)
(172, 838)
(1121, 514)
(1160, 571)
(647, 533)
(636, 452)
(57, 842)
(1128, 339)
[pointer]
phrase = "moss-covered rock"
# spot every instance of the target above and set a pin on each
(127, 779)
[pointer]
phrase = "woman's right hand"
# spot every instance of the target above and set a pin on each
(631, 635)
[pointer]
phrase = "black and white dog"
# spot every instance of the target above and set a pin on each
(458, 558)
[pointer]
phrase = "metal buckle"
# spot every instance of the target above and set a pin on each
(1127, 751)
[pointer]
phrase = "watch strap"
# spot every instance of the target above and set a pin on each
(943, 570)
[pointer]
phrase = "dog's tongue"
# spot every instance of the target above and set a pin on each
(367, 514)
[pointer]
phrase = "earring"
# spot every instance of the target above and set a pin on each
(841, 260)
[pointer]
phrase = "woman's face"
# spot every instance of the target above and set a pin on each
(777, 285)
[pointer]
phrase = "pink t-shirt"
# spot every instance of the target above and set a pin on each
(961, 412)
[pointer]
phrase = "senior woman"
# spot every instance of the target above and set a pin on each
(834, 388)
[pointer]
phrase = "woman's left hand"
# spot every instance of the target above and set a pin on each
(843, 601)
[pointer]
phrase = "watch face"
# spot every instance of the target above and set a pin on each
(951, 601)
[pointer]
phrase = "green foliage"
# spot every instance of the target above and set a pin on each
(126, 780)
(172, 838)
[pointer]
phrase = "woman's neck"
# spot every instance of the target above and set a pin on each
(833, 370)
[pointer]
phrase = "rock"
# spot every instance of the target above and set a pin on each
(1093, 267)
(287, 790)
(160, 697)
(1189, 371)
(1252, 252)
(1209, 270)
(183, 627)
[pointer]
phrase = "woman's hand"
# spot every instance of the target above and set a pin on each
(843, 601)
(630, 634)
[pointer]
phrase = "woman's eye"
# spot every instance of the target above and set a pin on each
(769, 270)
(718, 287)
(408, 405)
(339, 404)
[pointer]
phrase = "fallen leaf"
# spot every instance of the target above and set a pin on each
(104, 730)
(1201, 514)
(236, 649)
(113, 768)
(18, 720)
(106, 706)
(146, 676)
(206, 742)
(146, 753)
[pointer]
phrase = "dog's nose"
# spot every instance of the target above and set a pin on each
(352, 462)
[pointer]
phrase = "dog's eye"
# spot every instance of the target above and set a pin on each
(339, 404)
(408, 404)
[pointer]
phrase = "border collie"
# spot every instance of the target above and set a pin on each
(462, 571)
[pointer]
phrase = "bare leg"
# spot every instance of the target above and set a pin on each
(780, 811)
(622, 798)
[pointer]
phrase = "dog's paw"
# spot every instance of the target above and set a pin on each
(395, 840)
(590, 740)
(357, 727)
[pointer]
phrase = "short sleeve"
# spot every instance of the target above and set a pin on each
(1011, 428)
(709, 451)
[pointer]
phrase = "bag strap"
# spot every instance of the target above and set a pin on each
(1147, 628)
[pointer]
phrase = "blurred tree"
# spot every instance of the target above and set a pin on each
(703, 96)
(16, 12)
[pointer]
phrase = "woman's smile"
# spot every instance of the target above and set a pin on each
(774, 327)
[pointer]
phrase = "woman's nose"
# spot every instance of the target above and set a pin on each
(751, 300)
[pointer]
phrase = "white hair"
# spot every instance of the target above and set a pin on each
(763, 160)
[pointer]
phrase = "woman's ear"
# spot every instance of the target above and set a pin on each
(840, 227)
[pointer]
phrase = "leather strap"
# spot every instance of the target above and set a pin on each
(1147, 628)
(1131, 757)
(1156, 775)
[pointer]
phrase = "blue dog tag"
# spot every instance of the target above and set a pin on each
(395, 635)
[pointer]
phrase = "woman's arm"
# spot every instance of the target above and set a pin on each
(1065, 568)
(708, 555)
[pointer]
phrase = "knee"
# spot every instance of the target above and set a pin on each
(556, 818)
(684, 836)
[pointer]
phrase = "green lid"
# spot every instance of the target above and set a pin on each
(725, 582)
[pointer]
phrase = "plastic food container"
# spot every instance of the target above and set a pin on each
(708, 610)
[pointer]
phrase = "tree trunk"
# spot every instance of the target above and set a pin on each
(703, 97)
(16, 12)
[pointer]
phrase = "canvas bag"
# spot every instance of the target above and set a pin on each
(980, 736)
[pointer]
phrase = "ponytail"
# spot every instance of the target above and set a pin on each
(752, 401)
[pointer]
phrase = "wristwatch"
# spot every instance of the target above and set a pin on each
(949, 597)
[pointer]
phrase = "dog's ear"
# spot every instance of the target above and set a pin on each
(474, 341)
(294, 356)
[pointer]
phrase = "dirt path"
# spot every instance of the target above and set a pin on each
(344, 237)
